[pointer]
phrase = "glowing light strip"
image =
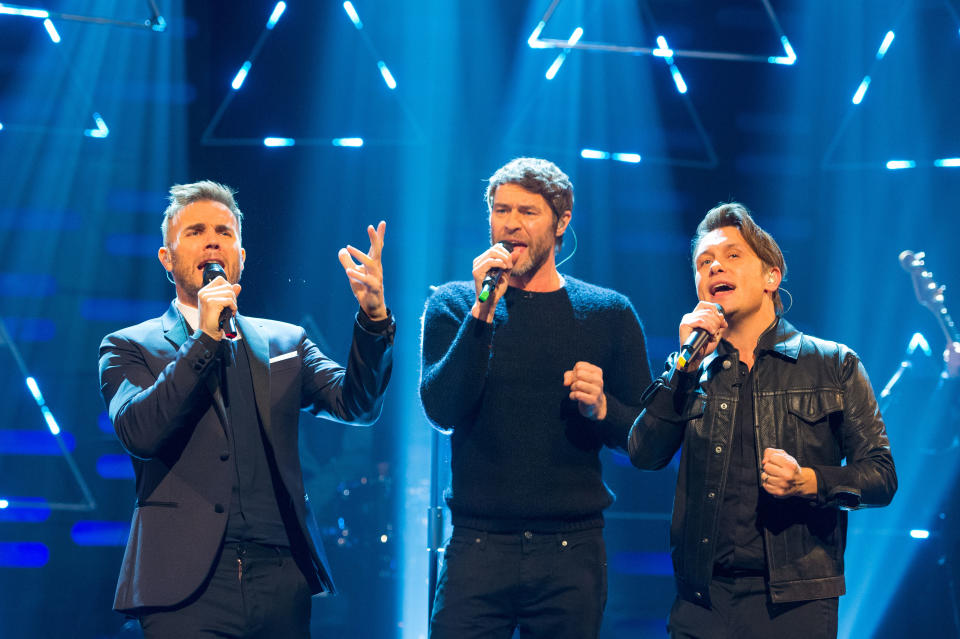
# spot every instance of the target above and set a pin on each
(352, 14)
(354, 142)
(943, 162)
(387, 76)
(241, 76)
(101, 131)
(14, 10)
(861, 90)
(895, 165)
(275, 16)
(558, 62)
(51, 31)
(887, 41)
(278, 142)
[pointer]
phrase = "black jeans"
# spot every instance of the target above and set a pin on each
(253, 591)
(741, 609)
(548, 585)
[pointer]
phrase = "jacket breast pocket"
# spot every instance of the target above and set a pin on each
(813, 417)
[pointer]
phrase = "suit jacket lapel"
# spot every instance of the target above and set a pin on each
(258, 352)
(174, 326)
(176, 331)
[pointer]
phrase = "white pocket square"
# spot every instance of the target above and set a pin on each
(280, 358)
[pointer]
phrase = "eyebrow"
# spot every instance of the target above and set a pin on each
(726, 246)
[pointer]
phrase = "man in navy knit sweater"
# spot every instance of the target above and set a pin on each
(533, 382)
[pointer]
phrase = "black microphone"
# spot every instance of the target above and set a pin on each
(492, 278)
(694, 343)
(228, 323)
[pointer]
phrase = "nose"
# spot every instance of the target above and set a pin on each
(715, 266)
(514, 220)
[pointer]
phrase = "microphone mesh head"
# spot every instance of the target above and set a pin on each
(210, 272)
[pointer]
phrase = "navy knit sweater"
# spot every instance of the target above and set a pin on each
(523, 458)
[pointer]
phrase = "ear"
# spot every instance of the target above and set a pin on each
(772, 283)
(562, 223)
(163, 254)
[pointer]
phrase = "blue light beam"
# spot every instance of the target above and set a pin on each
(241, 76)
(887, 41)
(352, 14)
(895, 165)
(353, 142)
(861, 90)
(101, 131)
(558, 62)
(942, 162)
(14, 10)
(593, 154)
(278, 142)
(275, 16)
(51, 31)
(387, 76)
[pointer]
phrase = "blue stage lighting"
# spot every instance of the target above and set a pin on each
(887, 41)
(51, 422)
(678, 79)
(861, 90)
(4, 503)
(387, 76)
(1, 126)
(355, 142)
(788, 59)
(275, 16)
(241, 76)
(552, 71)
(278, 142)
(663, 51)
(633, 158)
(534, 40)
(593, 154)
(51, 30)
(14, 10)
(348, 7)
(943, 162)
(35, 391)
(919, 341)
(894, 165)
(920, 534)
(572, 40)
(101, 131)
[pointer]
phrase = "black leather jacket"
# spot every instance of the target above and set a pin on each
(812, 399)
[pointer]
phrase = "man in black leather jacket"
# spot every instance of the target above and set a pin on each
(766, 417)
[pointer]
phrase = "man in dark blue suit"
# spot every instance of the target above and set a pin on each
(223, 542)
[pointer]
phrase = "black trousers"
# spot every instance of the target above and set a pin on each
(741, 609)
(552, 586)
(253, 592)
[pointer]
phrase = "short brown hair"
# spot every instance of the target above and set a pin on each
(182, 195)
(537, 176)
(762, 243)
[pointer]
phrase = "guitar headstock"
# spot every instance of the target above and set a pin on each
(928, 292)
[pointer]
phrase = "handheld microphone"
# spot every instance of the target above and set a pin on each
(228, 323)
(694, 343)
(492, 278)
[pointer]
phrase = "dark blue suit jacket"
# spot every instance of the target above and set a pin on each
(161, 389)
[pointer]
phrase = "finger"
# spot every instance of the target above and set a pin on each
(363, 258)
(344, 256)
(593, 375)
(585, 398)
(568, 378)
(586, 387)
(376, 239)
(366, 279)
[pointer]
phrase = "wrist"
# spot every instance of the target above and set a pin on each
(808, 486)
